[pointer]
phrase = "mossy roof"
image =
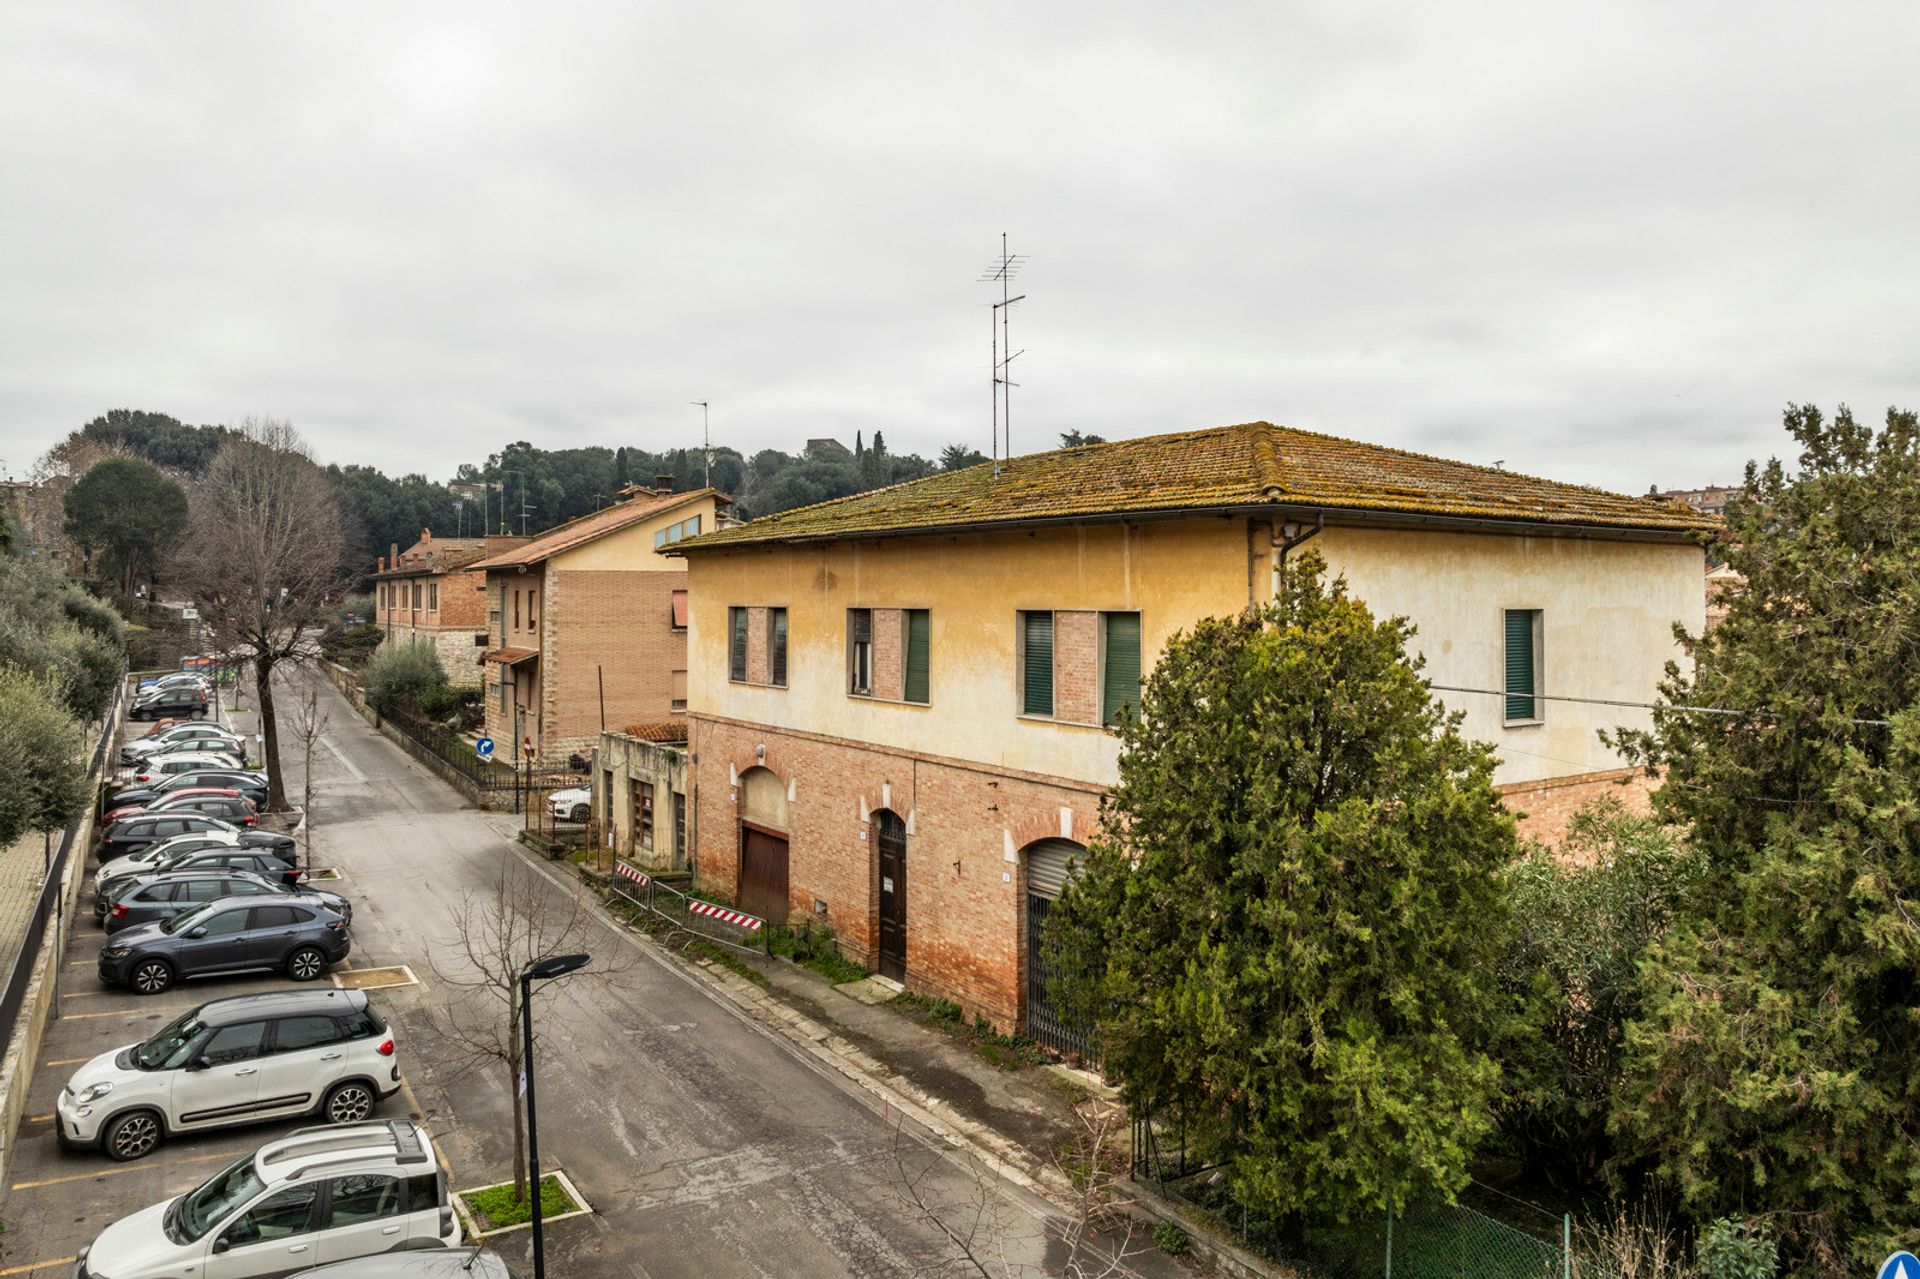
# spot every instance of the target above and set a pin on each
(1252, 465)
(580, 530)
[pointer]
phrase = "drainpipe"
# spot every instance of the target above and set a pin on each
(1283, 538)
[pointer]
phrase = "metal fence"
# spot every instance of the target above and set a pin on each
(46, 905)
(713, 921)
(1425, 1241)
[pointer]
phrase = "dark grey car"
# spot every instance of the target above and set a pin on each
(145, 899)
(267, 863)
(234, 934)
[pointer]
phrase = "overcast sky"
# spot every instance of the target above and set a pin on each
(1600, 242)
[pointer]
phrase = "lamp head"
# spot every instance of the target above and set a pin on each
(556, 966)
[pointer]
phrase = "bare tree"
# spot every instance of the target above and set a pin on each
(1097, 1232)
(498, 935)
(310, 720)
(262, 557)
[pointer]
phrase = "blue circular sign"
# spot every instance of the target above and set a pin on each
(485, 747)
(1901, 1265)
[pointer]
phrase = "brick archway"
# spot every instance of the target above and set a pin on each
(1059, 823)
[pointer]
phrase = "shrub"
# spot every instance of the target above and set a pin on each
(1172, 1240)
(403, 678)
(1729, 1249)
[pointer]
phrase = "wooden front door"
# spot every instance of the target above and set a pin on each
(763, 874)
(892, 834)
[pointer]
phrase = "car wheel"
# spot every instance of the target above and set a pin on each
(131, 1135)
(579, 813)
(348, 1103)
(306, 963)
(151, 976)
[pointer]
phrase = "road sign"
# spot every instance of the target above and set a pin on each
(485, 747)
(1901, 1265)
(190, 614)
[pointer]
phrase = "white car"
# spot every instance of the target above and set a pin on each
(234, 1061)
(183, 737)
(153, 854)
(171, 762)
(573, 805)
(316, 1196)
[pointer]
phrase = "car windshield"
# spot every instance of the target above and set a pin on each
(168, 1049)
(191, 919)
(201, 1209)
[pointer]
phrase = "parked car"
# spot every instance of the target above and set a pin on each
(170, 703)
(195, 881)
(169, 801)
(234, 1061)
(249, 783)
(234, 934)
(174, 762)
(279, 847)
(573, 805)
(319, 1194)
(131, 834)
(184, 737)
(426, 1263)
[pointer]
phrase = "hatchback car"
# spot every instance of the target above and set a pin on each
(183, 736)
(170, 703)
(234, 1061)
(156, 767)
(249, 783)
(131, 834)
(168, 801)
(281, 847)
(265, 863)
(234, 934)
(144, 899)
(571, 805)
(315, 1196)
(430, 1263)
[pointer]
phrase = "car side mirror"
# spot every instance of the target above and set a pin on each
(222, 1244)
(196, 932)
(200, 1063)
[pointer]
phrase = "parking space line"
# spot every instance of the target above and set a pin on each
(141, 1011)
(136, 1166)
(38, 1265)
(37, 1119)
(66, 1061)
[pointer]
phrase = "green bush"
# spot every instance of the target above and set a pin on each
(43, 783)
(1172, 1240)
(403, 678)
(350, 646)
(1729, 1249)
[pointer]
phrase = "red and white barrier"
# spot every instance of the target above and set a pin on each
(627, 872)
(726, 915)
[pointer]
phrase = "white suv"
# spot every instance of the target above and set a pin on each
(315, 1196)
(234, 1061)
(167, 763)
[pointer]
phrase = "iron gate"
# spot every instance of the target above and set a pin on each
(1045, 1023)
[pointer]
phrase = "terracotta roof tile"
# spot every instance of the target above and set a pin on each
(1251, 465)
(665, 732)
(586, 528)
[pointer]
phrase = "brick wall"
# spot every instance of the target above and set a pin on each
(1076, 667)
(611, 624)
(1545, 808)
(756, 645)
(889, 661)
(459, 655)
(966, 904)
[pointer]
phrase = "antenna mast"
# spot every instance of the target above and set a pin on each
(1002, 269)
(706, 443)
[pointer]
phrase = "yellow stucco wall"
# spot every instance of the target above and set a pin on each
(631, 549)
(1608, 610)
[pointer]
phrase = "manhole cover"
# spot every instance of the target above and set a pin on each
(374, 978)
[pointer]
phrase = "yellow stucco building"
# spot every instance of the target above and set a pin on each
(898, 700)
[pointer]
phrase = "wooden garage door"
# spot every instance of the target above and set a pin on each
(763, 874)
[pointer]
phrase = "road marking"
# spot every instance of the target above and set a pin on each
(345, 763)
(41, 1119)
(136, 1166)
(39, 1265)
(129, 1012)
(66, 1061)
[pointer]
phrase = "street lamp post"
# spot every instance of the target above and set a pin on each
(554, 966)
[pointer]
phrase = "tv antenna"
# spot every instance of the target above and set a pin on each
(706, 444)
(1002, 269)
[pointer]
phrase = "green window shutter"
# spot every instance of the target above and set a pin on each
(777, 645)
(1521, 676)
(1121, 685)
(916, 689)
(737, 657)
(1037, 687)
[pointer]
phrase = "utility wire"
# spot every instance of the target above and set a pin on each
(1648, 706)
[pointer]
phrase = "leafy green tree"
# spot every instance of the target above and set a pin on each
(404, 678)
(1076, 439)
(1774, 1071)
(1292, 924)
(957, 457)
(1584, 915)
(162, 440)
(129, 513)
(43, 782)
(51, 627)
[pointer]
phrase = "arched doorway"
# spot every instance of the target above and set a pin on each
(762, 888)
(1050, 864)
(890, 833)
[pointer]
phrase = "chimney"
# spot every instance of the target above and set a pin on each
(663, 484)
(426, 537)
(383, 565)
(393, 554)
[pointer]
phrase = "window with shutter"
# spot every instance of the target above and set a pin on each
(860, 651)
(1036, 663)
(737, 644)
(1523, 664)
(1120, 664)
(917, 656)
(777, 647)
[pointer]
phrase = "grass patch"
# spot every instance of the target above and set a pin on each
(1004, 1052)
(814, 948)
(495, 1207)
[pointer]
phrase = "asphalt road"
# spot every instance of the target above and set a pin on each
(706, 1145)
